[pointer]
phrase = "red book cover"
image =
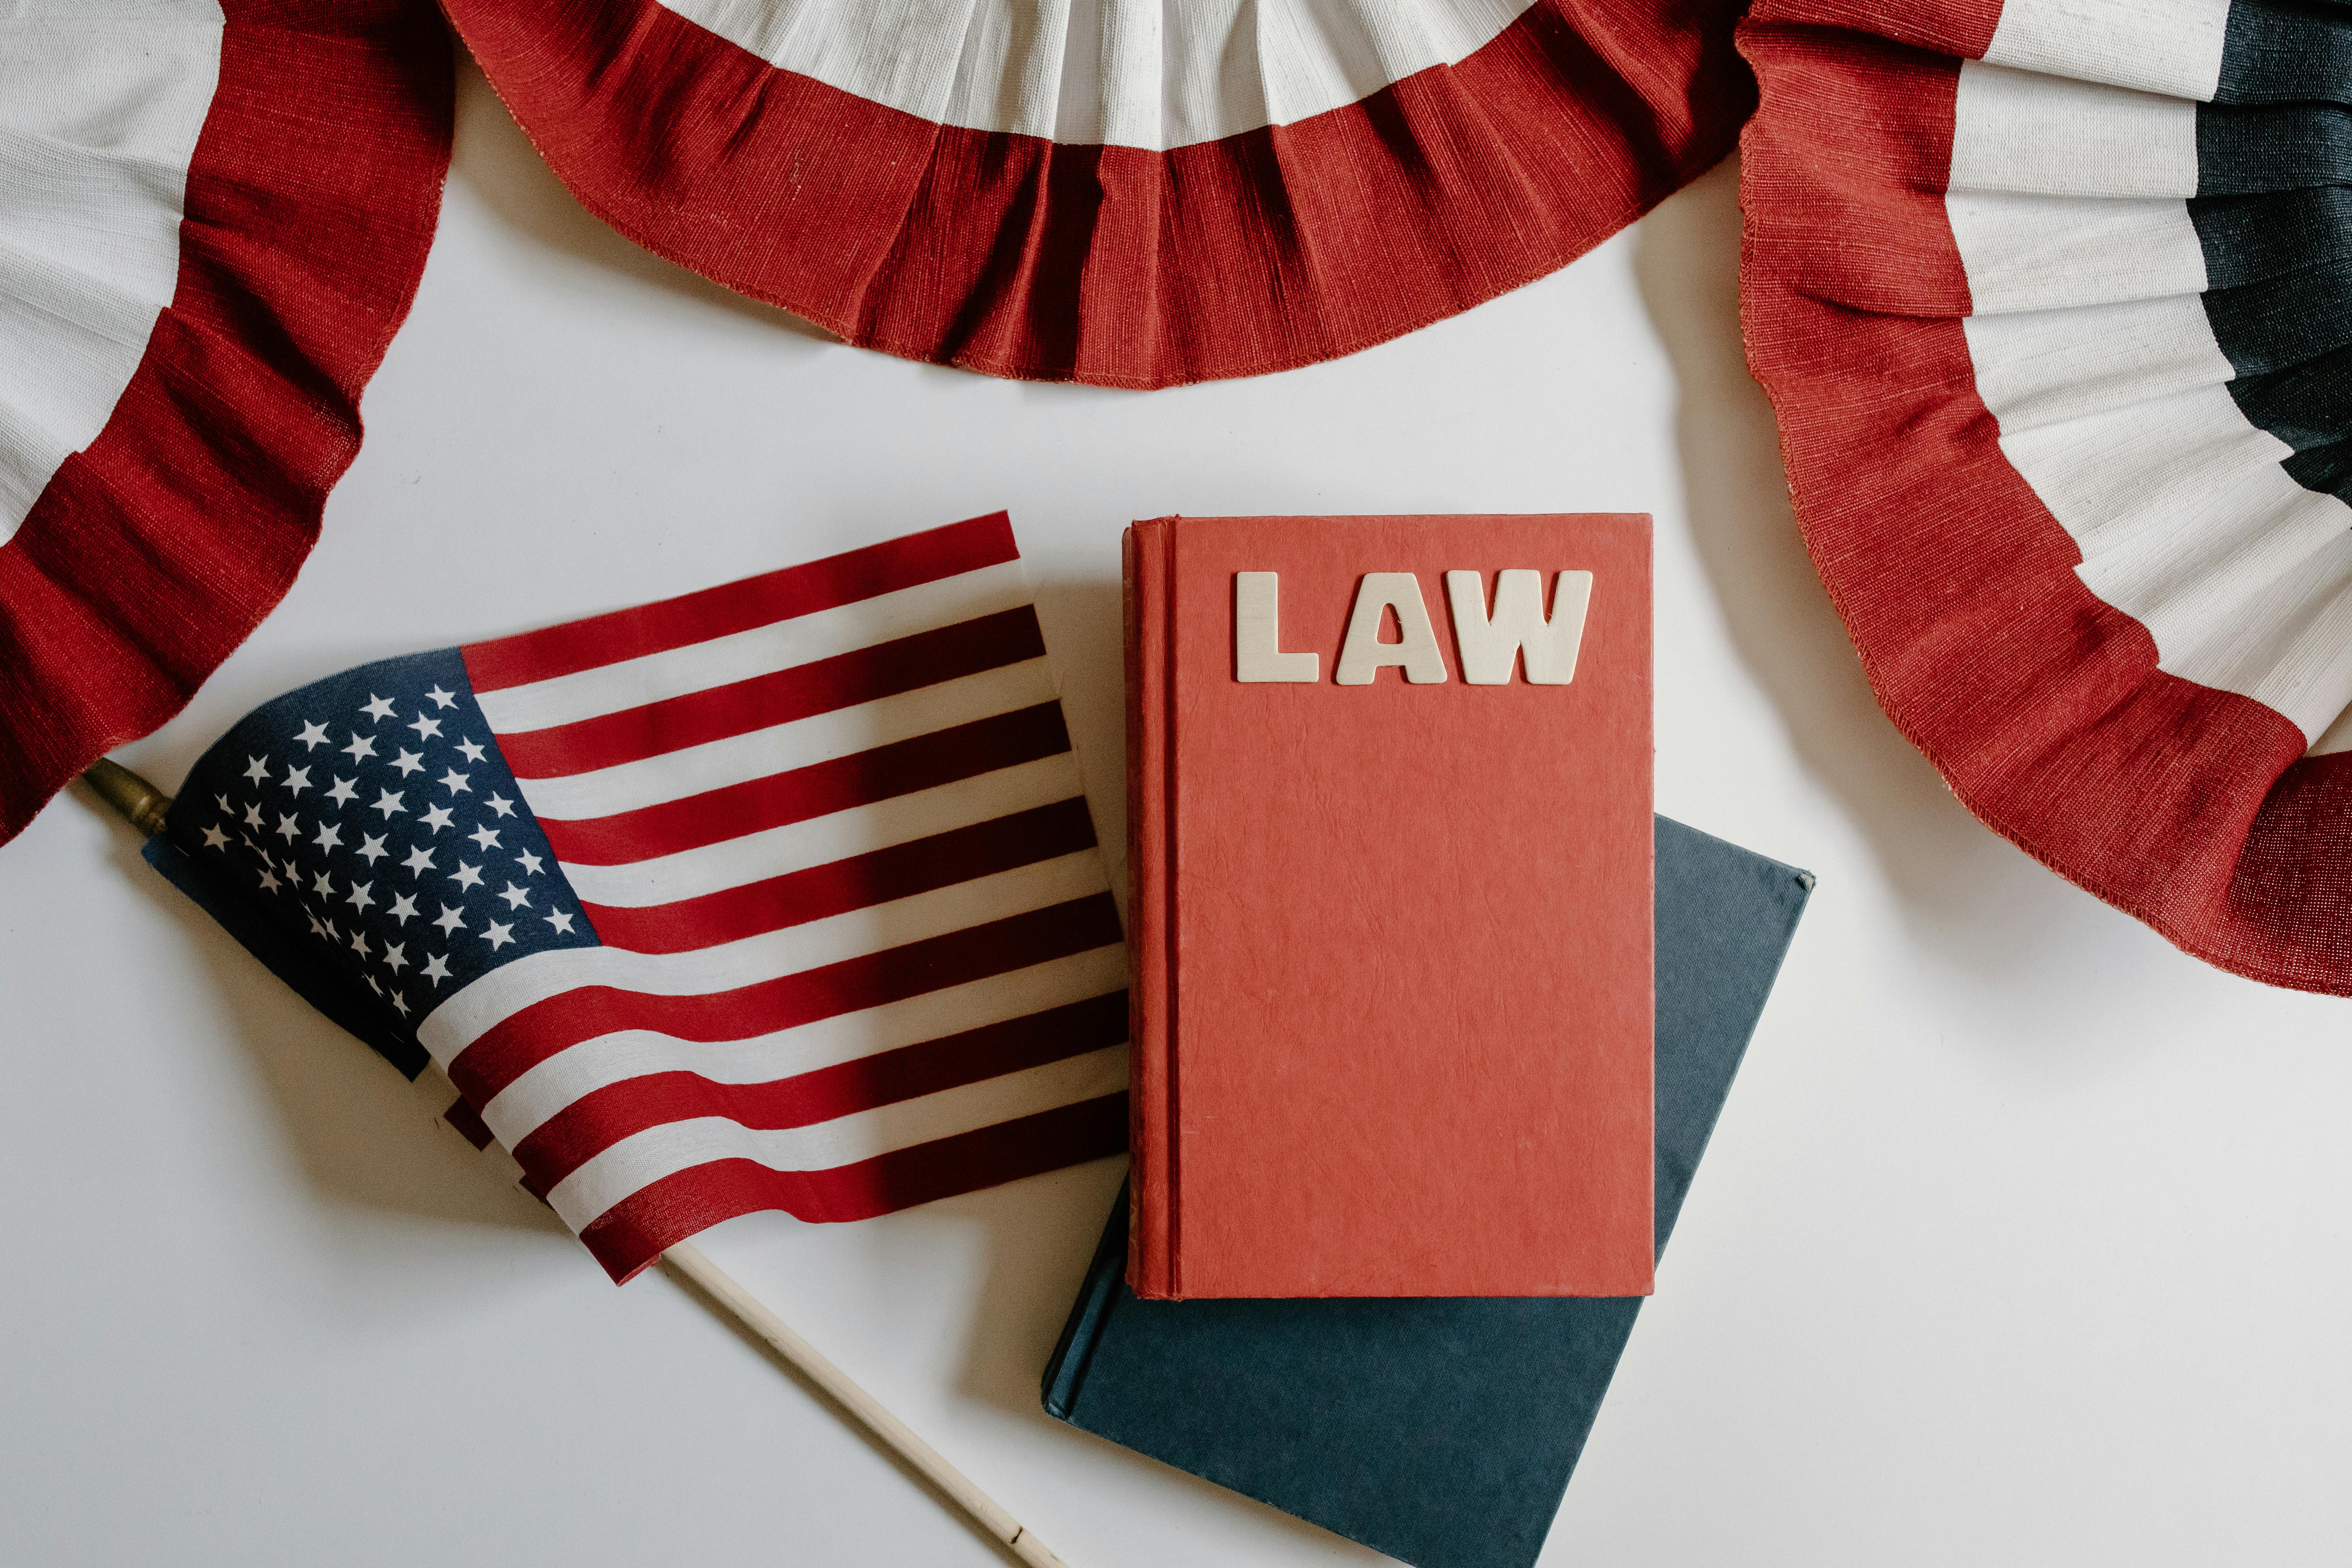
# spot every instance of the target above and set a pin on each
(1390, 863)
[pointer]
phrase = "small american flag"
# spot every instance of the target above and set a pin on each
(780, 895)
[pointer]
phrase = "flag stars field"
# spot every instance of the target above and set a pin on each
(314, 878)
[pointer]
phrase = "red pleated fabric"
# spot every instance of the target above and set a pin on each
(1020, 256)
(2042, 704)
(154, 550)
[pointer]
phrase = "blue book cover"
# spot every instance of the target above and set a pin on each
(1442, 1431)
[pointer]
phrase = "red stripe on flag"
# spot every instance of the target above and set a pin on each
(598, 1119)
(468, 1123)
(857, 883)
(635, 1231)
(843, 579)
(821, 686)
(902, 767)
(507, 1049)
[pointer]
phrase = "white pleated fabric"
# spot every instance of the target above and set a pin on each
(101, 104)
(1121, 73)
(2053, 300)
(2070, 203)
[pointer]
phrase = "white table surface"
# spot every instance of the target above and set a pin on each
(2025, 1238)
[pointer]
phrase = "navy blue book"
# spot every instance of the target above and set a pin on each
(1441, 1430)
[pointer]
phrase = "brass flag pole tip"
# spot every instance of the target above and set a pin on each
(142, 802)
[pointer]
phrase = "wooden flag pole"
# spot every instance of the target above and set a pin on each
(144, 806)
(893, 1434)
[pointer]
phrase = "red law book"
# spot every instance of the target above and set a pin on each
(1389, 852)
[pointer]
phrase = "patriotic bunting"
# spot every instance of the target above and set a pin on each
(213, 214)
(780, 895)
(1127, 192)
(2051, 297)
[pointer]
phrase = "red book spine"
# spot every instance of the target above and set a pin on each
(1149, 932)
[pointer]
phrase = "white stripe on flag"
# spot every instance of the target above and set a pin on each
(642, 1158)
(761, 650)
(762, 754)
(506, 991)
(821, 840)
(525, 1105)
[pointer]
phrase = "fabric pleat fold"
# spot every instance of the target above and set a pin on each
(213, 216)
(1123, 192)
(2050, 298)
